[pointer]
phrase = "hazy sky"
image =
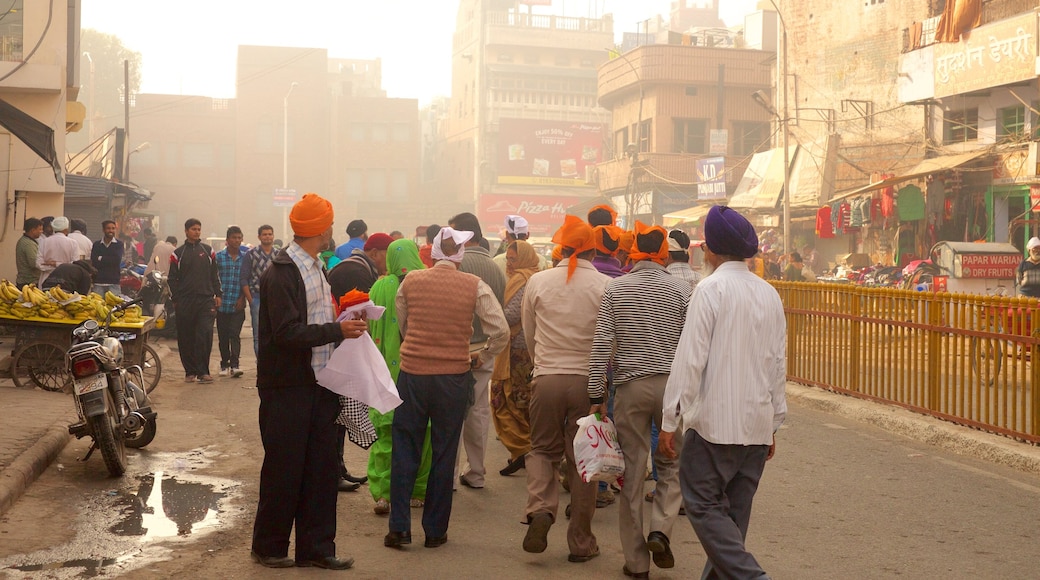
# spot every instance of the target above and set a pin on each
(191, 48)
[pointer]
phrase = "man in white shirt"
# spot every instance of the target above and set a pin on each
(58, 249)
(726, 390)
(79, 234)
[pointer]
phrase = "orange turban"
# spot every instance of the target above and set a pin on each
(557, 253)
(657, 255)
(602, 215)
(626, 240)
(607, 239)
(576, 235)
(311, 216)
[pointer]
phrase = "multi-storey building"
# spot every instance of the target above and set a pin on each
(684, 125)
(301, 122)
(39, 52)
(524, 130)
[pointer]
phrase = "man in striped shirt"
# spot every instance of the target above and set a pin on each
(638, 326)
(726, 391)
(254, 264)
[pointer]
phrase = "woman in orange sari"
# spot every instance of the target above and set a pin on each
(511, 379)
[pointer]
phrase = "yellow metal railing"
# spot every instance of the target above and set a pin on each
(968, 359)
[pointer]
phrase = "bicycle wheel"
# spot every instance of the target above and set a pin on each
(987, 357)
(151, 368)
(41, 364)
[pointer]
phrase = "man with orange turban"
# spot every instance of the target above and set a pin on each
(559, 317)
(608, 242)
(298, 332)
(638, 328)
(602, 215)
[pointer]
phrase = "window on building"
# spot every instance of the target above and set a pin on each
(1011, 122)
(621, 140)
(11, 31)
(399, 184)
(645, 140)
(379, 133)
(376, 184)
(355, 183)
(749, 138)
(357, 132)
(198, 155)
(690, 136)
(563, 61)
(401, 132)
(531, 58)
(960, 126)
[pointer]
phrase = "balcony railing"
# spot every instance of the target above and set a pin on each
(551, 22)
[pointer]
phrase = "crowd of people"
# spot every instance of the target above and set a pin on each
(617, 324)
(691, 367)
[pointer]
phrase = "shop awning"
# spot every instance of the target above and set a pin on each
(926, 167)
(36, 135)
(763, 181)
(688, 215)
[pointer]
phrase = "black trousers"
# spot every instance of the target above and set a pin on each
(229, 329)
(439, 401)
(300, 472)
(195, 316)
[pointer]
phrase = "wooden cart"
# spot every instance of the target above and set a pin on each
(40, 345)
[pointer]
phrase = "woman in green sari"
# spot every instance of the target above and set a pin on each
(401, 257)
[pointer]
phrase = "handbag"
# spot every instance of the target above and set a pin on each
(597, 454)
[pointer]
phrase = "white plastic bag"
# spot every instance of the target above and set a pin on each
(596, 450)
(357, 370)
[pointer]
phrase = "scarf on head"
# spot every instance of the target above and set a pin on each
(576, 235)
(607, 239)
(460, 239)
(657, 256)
(401, 257)
(527, 265)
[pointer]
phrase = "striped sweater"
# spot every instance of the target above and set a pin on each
(638, 326)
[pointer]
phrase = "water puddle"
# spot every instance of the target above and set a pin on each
(120, 530)
(166, 506)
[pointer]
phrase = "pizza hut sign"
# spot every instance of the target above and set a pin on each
(545, 214)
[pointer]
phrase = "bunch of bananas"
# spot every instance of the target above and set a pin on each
(57, 304)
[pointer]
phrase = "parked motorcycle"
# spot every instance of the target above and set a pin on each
(131, 279)
(113, 410)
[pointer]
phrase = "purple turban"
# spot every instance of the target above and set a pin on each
(728, 233)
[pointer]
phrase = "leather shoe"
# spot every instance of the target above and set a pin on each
(397, 539)
(272, 561)
(345, 485)
(354, 479)
(578, 559)
(466, 483)
(535, 541)
(435, 542)
(328, 563)
(660, 549)
(514, 466)
(637, 575)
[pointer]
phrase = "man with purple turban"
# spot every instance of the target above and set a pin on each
(726, 389)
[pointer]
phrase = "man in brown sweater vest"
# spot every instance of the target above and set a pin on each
(435, 310)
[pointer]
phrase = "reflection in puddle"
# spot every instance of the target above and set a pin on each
(165, 506)
(91, 568)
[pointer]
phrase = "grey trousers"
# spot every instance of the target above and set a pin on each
(718, 486)
(475, 429)
(635, 404)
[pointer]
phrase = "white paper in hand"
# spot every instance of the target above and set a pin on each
(357, 369)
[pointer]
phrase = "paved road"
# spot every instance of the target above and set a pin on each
(842, 499)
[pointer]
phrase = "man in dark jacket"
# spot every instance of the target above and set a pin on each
(297, 335)
(75, 277)
(195, 290)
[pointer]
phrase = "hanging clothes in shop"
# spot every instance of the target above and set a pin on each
(910, 204)
(824, 227)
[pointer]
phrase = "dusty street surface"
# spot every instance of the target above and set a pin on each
(841, 499)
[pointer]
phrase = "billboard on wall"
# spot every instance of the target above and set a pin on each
(557, 153)
(544, 213)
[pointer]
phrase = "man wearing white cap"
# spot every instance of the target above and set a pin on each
(517, 228)
(435, 311)
(59, 249)
(1027, 275)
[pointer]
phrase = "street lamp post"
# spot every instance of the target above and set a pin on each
(137, 149)
(90, 114)
(788, 241)
(285, 156)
